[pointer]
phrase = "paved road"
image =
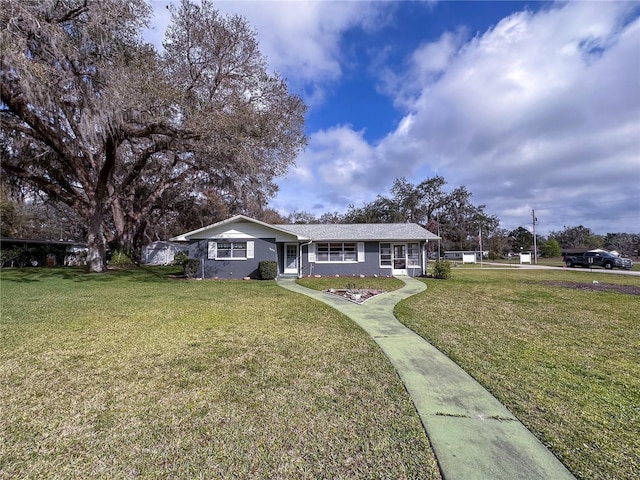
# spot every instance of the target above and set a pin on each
(473, 435)
(501, 266)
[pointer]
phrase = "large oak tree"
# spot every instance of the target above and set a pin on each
(97, 119)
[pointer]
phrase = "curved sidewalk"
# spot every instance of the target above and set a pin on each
(472, 434)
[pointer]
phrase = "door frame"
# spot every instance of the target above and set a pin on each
(285, 268)
(399, 271)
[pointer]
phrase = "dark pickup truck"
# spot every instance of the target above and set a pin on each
(598, 258)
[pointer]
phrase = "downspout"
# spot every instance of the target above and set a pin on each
(300, 259)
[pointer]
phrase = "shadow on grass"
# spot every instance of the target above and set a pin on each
(79, 274)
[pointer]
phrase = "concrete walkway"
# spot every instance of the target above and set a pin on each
(473, 435)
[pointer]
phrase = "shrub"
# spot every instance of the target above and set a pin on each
(120, 258)
(442, 269)
(268, 269)
(12, 257)
(190, 266)
(180, 257)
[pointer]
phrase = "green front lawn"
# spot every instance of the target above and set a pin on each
(134, 374)
(565, 361)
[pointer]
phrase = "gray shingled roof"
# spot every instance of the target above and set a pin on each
(361, 231)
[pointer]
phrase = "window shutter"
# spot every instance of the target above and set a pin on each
(249, 249)
(360, 251)
(212, 250)
(312, 252)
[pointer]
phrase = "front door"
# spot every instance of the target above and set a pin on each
(399, 259)
(291, 258)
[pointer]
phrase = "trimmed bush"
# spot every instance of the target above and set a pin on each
(190, 266)
(442, 269)
(180, 257)
(268, 269)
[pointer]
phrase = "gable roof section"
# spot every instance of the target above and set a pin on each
(206, 232)
(320, 232)
(361, 231)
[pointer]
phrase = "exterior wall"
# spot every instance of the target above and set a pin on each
(264, 249)
(269, 249)
(370, 266)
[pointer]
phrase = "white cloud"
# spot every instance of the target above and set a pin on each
(425, 66)
(542, 109)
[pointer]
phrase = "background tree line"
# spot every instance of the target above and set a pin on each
(30, 216)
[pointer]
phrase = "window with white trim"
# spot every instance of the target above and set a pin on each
(336, 252)
(229, 250)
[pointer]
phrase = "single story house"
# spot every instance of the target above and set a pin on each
(161, 252)
(234, 247)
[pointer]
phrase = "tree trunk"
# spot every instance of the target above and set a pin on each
(96, 245)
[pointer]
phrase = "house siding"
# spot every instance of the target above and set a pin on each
(370, 266)
(264, 249)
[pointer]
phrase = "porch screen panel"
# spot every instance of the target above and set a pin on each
(385, 255)
(413, 255)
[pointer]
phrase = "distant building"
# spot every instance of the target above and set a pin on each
(460, 254)
(162, 252)
(31, 252)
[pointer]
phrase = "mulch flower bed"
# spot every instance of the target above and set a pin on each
(358, 296)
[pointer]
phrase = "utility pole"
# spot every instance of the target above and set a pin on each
(438, 238)
(535, 242)
(480, 240)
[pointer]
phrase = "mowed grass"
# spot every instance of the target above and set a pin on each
(372, 283)
(135, 375)
(566, 362)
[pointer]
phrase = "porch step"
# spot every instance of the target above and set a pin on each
(288, 275)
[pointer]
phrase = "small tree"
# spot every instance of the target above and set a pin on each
(551, 248)
(190, 266)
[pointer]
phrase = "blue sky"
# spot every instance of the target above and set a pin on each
(529, 105)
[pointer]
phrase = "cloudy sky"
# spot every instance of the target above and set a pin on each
(529, 105)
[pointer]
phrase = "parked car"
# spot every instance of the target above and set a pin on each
(599, 258)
